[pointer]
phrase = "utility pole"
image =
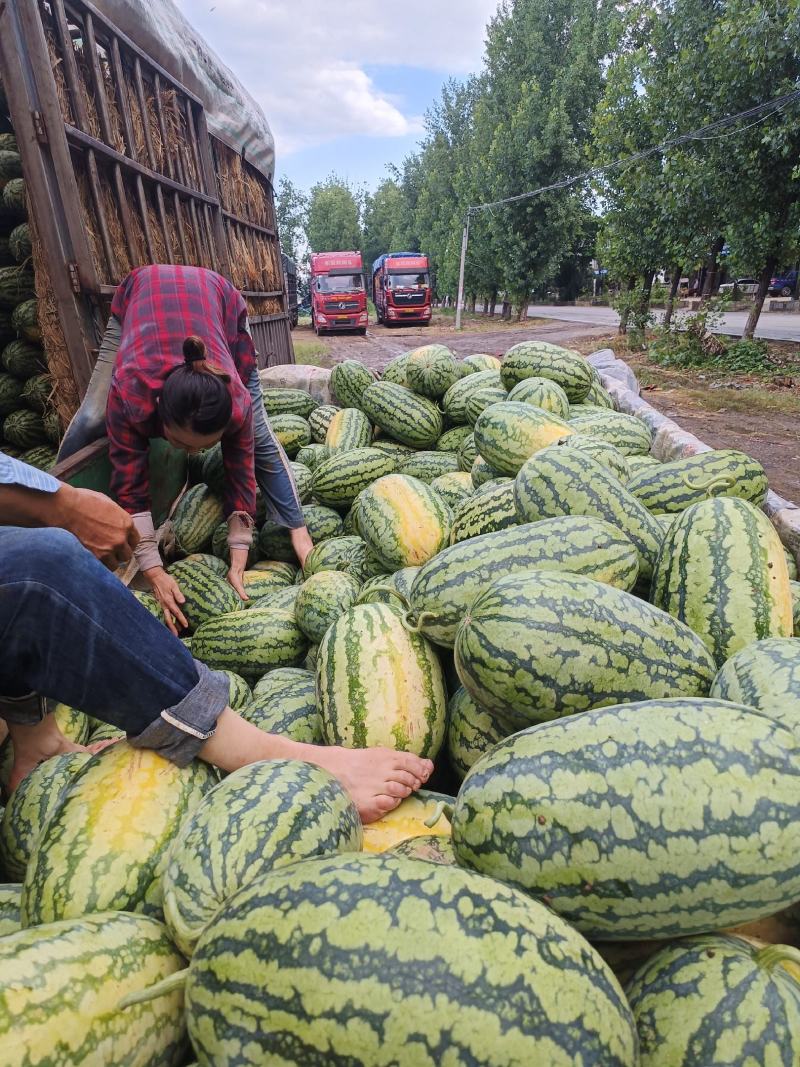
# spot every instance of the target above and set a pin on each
(464, 242)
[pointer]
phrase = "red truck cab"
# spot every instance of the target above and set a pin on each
(401, 288)
(338, 292)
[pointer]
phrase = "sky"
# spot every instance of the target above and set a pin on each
(344, 83)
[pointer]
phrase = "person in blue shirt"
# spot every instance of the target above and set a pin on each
(72, 632)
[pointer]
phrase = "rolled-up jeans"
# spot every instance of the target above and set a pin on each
(72, 632)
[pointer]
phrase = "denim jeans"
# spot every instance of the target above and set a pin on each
(70, 631)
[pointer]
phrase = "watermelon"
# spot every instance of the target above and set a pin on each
(482, 472)
(301, 475)
(250, 642)
(259, 819)
(319, 420)
(285, 703)
(672, 487)
(207, 595)
(322, 522)
(542, 393)
(454, 488)
(282, 599)
(10, 393)
(10, 166)
(212, 563)
(14, 196)
(428, 848)
(31, 805)
(52, 427)
(323, 597)
(541, 644)
(333, 554)
(718, 999)
(467, 453)
(348, 429)
(148, 601)
(196, 517)
(447, 585)
(19, 242)
(722, 571)
(382, 959)
(431, 370)
(539, 359)
(455, 399)
(507, 434)
(16, 285)
(24, 429)
(213, 470)
(73, 724)
(674, 817)
(479, 361)
(378, 684)
(23, 359)
(472, 731)
(42, 457)
(8, 142)
(607, 455)
(289, 402)
(104, 848)
(311, 456)
(452, 439)
(349, 380)
(240, 694)
(338, 481)
(492, 510)
(404, 521)
(395, 370)
(292, 432)
(392, 448)
(426, 465)
(61, 985)
(392, 589)
(36, 392)
(267, 576)
(423, 813)
(476, 402)
(10, 894)
(764, 675)
(627, 433)
(599, 395)
(791, 564)
(563, 481)
(413, 420)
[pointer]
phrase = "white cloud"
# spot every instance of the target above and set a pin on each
(306, 63)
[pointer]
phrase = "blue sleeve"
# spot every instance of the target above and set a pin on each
(13, 472)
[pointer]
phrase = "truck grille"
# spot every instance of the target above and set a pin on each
(409, 299)
(341, 306)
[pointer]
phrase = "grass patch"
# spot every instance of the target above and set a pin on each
(310, 352)
(444, 319)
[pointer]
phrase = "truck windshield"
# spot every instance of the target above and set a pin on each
(340, 283)
(408, 281)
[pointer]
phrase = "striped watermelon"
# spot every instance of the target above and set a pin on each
(627, 433)
(10, 894)
(61, 985)
(24, 429)
(42, 457)
(392, 589)
(289, 402)
(302, 480)
(206, 594)
(479, 361)
(392, 448)
(292, 432)
(322, 522)
(283, 598)
(104, 848)
(378, 684)
(250, 642)
(541, 644)
(764, 675)
(431, 370)
(16, 285)
(467, 453)
(213, 470)
(722, 571)
(260, 818)
(492, 510)
(428, 848)
(338, 481)
(718, 999)
(675, 817)
(448, 584)
(599, 395)
(349, 380)
(672, 487)
(212, 563)
(36, 392)
(454, 488)
(395, 370)
(455, 399)
(240, 693)
(148, 601)
(482, 472)
(427, 465)
(563, 481)
(452, 439)
(285, 703)
(639, 463)
(323, 597)
(472, 731)
(539, 359)
(319, 420)
(23, 359)
(10, 393)
(542, 393)
(266, 576)
(349, 428)
(333, 554)
(404, 521)
(382, 959)
(197, 516)
(73, 724)
(406, 417)
(507, 434)
(478, 401)
(607, 455)
(423, 813)
(31, 805)
(312, 455)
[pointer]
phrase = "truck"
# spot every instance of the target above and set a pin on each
(338, 292)
(401, 288)
(290, 285)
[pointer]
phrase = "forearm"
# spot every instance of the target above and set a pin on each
(32, 507)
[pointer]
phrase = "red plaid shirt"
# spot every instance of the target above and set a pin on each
(158, 307)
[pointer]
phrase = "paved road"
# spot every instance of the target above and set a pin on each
(773, 325)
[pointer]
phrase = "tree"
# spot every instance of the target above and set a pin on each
(387, 221)
(334, 217)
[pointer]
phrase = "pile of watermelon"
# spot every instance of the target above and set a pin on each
(29, 426)
(599, 651)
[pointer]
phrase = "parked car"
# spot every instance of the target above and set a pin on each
(743, 285)
(783, 284)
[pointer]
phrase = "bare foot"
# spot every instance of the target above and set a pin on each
(33, 745)
(376, 778)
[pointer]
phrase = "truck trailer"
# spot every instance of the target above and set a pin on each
(401, 288)
(338, 292)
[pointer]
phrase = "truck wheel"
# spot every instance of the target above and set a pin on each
(362, 330)
(786, 291)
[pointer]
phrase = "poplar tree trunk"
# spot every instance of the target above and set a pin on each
(673, 292)
(763, 285)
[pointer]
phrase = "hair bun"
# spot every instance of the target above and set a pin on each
(194, 350)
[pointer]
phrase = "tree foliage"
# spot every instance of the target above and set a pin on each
(334, 217)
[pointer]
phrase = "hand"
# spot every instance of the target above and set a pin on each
(236, 573)
(301, 543)
(168, 594)
(98, 523)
